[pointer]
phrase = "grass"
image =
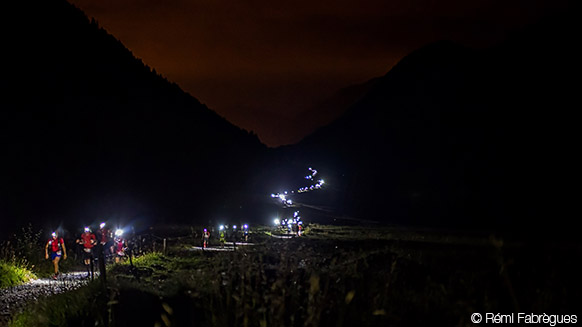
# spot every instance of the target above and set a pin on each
(26, 250)
(285, 283)
(150, 259)
(86, 306)
(336, 276)
(12, 274)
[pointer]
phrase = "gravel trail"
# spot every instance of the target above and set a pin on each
(14, 299)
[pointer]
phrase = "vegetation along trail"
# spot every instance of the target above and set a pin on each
(330, 276)
(13, 299)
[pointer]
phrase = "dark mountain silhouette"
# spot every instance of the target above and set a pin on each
(454, 137)
(89, 132)
(330, 108)
(449, 137)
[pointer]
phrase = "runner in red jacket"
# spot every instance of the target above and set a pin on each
(57, 249)
(88, 240)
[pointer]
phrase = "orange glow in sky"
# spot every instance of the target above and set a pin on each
(262, 64)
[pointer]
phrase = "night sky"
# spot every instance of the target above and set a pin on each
(261, 64)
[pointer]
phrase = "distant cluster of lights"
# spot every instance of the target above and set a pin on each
(313, 173)
(284, 197)
(315, 186)
(289, 222)
(245, 227)
(286, 201)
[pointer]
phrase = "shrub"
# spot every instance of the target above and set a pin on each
(13, 275)
(86, 306)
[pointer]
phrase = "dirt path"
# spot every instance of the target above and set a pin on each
(13, 299)
(228, 246)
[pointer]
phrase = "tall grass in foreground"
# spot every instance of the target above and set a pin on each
(11, 274)
(25, 250)
(17, 259)
(73, 308)
(349, 277)
(277, 284)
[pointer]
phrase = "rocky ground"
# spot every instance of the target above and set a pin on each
(15, 298)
